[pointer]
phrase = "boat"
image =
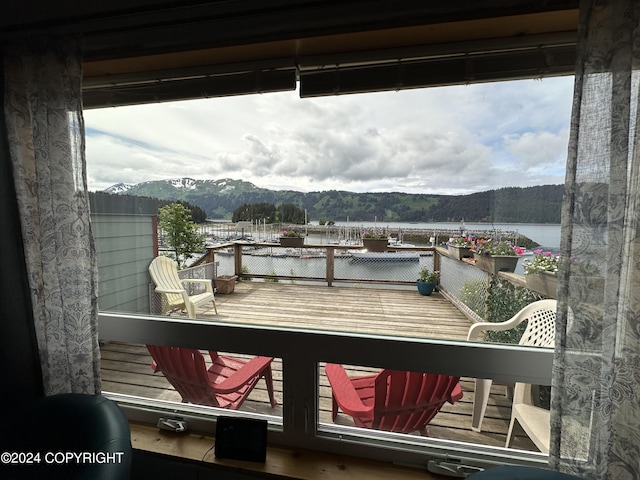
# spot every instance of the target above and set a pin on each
(364, 256)
(400, 244)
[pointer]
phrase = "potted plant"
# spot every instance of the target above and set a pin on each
(541, 273)
(460, 247)
(291, 238)
(225, 283)
(493, 256)
(374, 241)
(428, 281)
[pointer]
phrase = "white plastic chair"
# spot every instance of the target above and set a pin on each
(535, 421)
(164, 273)
(540, 332)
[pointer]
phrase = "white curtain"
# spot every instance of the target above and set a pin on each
(45, 130)
(595, 431)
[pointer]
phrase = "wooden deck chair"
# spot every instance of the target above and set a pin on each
(226, 383)
(392, 400)
(540, 332)
(164, 273)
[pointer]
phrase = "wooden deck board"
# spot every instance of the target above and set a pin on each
(126, 367)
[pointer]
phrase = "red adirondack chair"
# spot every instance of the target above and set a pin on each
(392, 400)
(226, 383)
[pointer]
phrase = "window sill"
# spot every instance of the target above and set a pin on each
(281, 461)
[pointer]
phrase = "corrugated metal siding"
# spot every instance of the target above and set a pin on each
(125, 248)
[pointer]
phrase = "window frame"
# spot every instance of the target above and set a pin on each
(303, 350)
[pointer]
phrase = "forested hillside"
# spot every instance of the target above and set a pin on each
(220, 198)
(509, 205)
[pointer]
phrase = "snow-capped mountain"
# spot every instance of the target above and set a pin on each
(179, 188)
(118, 188)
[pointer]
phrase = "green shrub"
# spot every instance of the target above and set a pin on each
(272, 280)
(245, 269)
(503, 302)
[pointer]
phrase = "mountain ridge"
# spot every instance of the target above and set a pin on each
(219, 198)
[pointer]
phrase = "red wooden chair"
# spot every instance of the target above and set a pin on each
(226, 383)
(392, 400)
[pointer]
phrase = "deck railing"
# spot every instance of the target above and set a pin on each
(322, 263)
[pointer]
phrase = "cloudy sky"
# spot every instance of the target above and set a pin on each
(450, 140)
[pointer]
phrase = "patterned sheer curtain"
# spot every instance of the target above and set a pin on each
(45, 129)
(595, 431)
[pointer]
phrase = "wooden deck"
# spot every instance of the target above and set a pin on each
(126, 367)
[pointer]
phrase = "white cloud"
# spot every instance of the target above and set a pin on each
(456, 139)
(536, 151)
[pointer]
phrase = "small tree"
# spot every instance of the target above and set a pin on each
(179, 232)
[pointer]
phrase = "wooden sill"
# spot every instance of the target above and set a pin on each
(281, 461)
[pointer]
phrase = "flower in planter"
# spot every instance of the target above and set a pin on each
(428, 276)
(374, 235)
(542, 262)
(496, 247)
(465, 242)
(290, 233)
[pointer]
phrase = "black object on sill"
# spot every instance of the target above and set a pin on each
(241, 439)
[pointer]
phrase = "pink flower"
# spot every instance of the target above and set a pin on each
(537, 251)
(519, 250)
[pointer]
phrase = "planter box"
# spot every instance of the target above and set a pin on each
(496, 263)
(459, 252)
(543, 283)
(292, 241)
(225, 283)
(375, 244)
